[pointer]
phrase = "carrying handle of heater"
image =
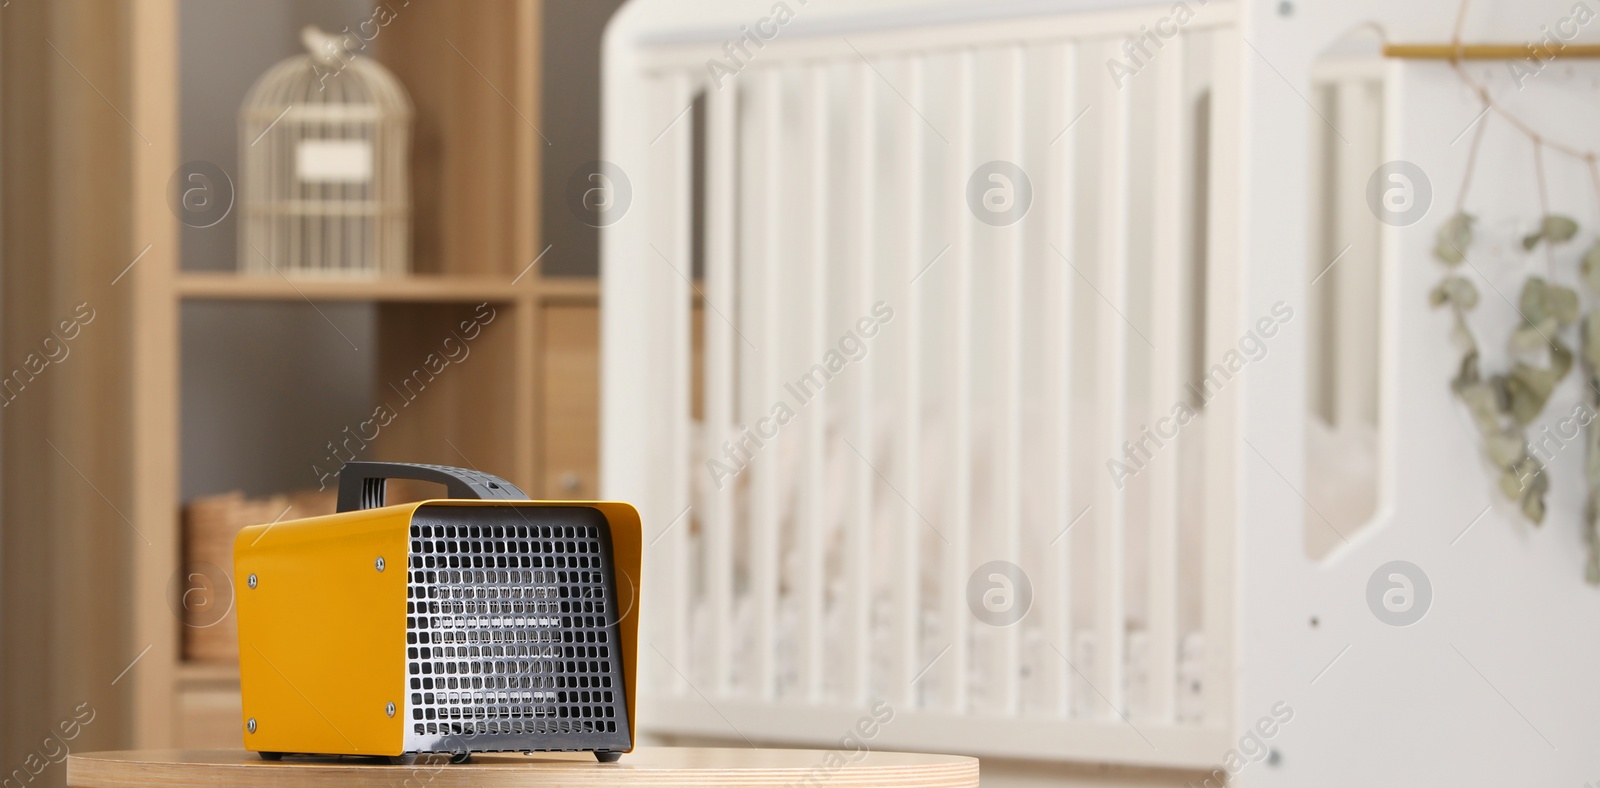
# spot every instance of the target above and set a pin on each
(361, 484)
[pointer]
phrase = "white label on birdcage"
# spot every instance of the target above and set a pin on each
(334, 161)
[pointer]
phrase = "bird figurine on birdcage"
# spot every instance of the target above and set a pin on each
(324, 142)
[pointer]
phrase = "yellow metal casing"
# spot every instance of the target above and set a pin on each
(323, 630)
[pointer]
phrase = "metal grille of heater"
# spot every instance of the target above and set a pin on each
(511, 632)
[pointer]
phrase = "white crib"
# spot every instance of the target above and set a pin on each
(1073, 393)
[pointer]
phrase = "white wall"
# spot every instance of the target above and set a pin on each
(1492, 686)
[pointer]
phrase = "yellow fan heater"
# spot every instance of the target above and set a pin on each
(484, 622)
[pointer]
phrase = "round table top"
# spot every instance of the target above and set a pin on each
(646, 766)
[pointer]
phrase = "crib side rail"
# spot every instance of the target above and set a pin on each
(903, 454)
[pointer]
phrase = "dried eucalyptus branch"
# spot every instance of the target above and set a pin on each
(1590, 270)
(1591, 467)
(1494, 410)
(1503, 405)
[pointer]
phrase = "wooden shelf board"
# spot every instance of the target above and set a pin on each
(209, 286)
(569, 287)
(207, 672)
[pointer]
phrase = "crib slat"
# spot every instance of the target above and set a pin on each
(958, 559)
(1009, 467)
(682, 254)
(1061, 82)
(1111, 381)
(1056, 586)
(1167, 332)
(722, 141)
(764, 520)
(660, 577)
(907, 636)
(1222, 449)
(858, 587)
(813, 530)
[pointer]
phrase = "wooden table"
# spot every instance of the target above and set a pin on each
(659, 766)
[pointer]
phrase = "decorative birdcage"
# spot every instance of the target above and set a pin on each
(324, 186)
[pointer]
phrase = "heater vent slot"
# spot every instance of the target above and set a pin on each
(511, 631)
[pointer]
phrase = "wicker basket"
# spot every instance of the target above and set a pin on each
(203, 590)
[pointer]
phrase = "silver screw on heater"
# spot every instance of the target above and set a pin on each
(389, 710)
(251, 581)
(379, 563)
(250, 725)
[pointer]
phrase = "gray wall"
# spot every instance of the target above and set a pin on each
(571, 120)
(264, 386)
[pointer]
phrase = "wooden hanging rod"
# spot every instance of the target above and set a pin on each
(1487, 51)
